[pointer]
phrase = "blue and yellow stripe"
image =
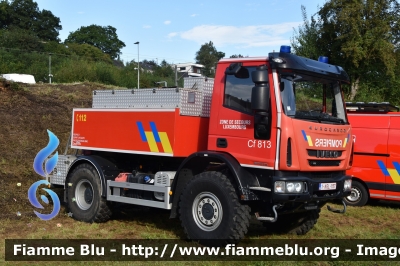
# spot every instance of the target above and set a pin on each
(393, 173)
(153, 137)
(346, 140)
(307, 138)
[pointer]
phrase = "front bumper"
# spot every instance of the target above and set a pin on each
(312, 191)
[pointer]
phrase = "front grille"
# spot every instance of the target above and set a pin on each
(324, 162)
(324, 154)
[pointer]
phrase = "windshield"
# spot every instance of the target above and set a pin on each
(312, 99)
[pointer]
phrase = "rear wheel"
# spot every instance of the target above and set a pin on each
(294, 223)
(84, 195)
(210, 210)
(358, 196)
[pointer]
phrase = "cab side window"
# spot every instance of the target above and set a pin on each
(238, 90)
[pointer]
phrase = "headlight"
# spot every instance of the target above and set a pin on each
(298, 187)
(347, 185)
(280, 187)
(289, 187)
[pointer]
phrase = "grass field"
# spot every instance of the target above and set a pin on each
(378, 221)
(25, 115)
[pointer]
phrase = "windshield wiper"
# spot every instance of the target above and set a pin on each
(328, 117)
(318, 116)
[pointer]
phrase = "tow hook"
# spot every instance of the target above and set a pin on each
(337, 211)
(268, 219)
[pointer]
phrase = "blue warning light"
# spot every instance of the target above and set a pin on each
(323, 59)
(285, 49)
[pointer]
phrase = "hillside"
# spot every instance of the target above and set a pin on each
(26, 112)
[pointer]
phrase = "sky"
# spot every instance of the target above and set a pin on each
(175, 30)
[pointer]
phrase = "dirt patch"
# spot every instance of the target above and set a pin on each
(26, 113)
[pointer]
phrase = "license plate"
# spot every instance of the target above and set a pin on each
(327, 186)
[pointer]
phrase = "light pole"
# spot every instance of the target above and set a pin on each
(138, 67)
(50, 75)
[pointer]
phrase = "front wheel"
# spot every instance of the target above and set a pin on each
(210, 210)
(358, 196)
(84, 195)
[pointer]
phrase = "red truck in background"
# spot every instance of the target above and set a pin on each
(376, 162)
(268, 136)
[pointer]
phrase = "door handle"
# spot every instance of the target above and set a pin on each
(222, 143)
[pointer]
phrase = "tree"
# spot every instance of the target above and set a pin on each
(104, 38)
(305, 42)
(236, 56)
(25, 15)
(360, 35)
(20, 39)
(164, 70)
(4, 14)
(89, 52)
(148, 64)
(208, 56)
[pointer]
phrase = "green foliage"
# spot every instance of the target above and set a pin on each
(164, 70)
(236, 56)
(74, 70)
(25, 15)
(89, 51)
(105, 74)
(67, 66)
(20, 39)
(104, 38)
(305, 41)
(362, 37)
(57, 48)
(208, 56)
(29, 44)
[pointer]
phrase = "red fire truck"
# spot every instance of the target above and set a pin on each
(269, 136)
(376, 168)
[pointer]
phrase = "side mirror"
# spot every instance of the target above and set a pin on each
(260, 92)
(233, 69)
(237, 70)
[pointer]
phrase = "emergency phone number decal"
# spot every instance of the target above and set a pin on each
(234, 124)
(80, 117)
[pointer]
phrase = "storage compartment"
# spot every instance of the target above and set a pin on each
(139, 178)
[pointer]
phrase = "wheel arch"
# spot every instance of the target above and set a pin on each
(100, 164)
(198, 162)
(359, 180)
(361, 190)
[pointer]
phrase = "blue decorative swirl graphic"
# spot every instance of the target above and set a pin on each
(41, 157)
(33, 200)
(44, 154)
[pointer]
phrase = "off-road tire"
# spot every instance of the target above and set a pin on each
(359, 195)
(84, 196)
(210, 211)
(295, 223)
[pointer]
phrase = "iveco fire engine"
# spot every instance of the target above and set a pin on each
(267, 136)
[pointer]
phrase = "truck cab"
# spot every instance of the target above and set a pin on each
(267, 136)
(283, 119)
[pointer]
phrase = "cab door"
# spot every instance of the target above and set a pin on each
(233, 129)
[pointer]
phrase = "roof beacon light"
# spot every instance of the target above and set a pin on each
(285, 49)
(323, 59)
